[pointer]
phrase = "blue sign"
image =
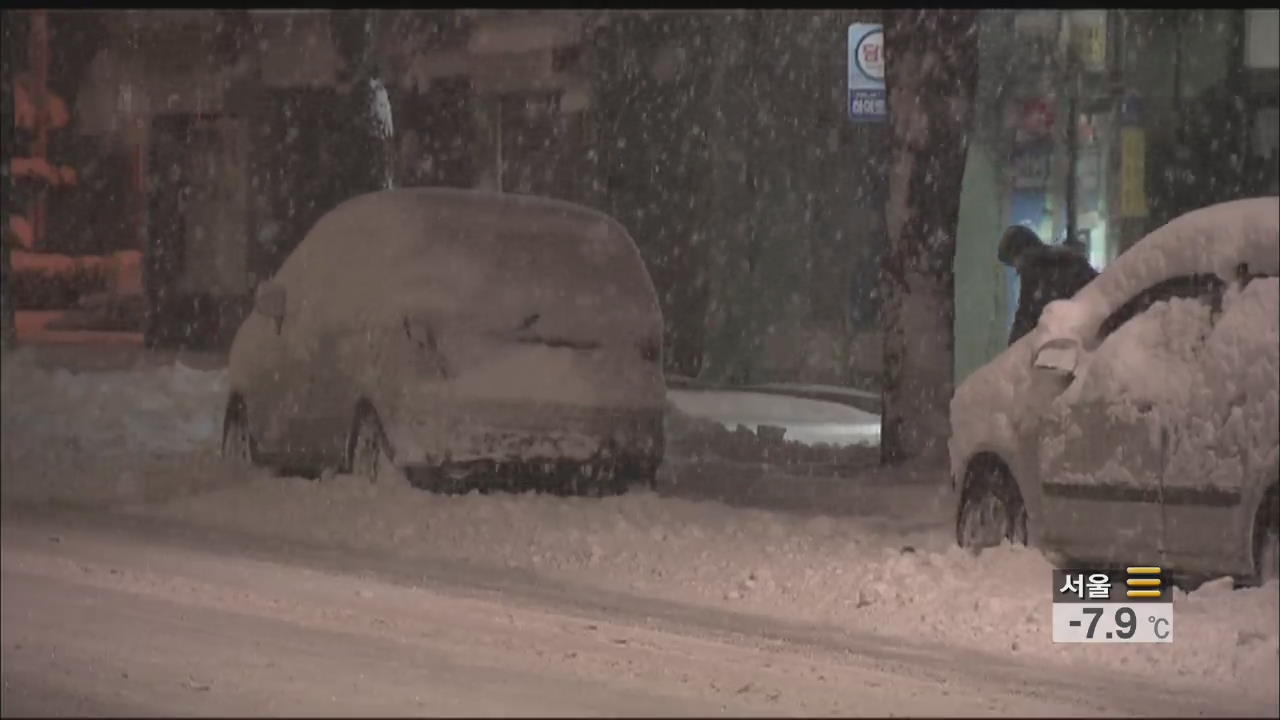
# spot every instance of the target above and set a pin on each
(867, 98)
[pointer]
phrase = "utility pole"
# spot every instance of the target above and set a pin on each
(369, 120)
(1072, 83)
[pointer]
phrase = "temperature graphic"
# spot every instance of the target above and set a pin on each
(1093, 606)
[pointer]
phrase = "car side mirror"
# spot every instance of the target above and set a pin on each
(1059, 357)
(270, 301)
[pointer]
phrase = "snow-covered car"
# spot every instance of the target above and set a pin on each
(1138, 422)
(455, 335)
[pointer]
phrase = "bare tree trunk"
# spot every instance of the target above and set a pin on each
(932, 63)
(371, 134)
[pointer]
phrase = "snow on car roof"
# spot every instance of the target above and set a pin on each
(465, 251)
(417, 220)
(1216, 239)
(477, 206)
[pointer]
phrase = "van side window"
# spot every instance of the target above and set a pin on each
(1206, 287)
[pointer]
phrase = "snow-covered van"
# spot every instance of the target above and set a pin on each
(1137, 424)
(455, 335)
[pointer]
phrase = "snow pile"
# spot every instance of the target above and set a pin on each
(891, 578)
(149, 432)
(1212, 382)
(135, 436)
(166, 409)
(1064, 318)
(806, 421)
(1152, 357)
(1243, 362)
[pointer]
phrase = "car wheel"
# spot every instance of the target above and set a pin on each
(1266, 549)
(369, 454)
(238, 446)
(991, 512)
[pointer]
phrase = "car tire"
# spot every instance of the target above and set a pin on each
(991, 511)
(369, 455)
(1266, 544)
(238, 445)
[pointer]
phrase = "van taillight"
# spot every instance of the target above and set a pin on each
(651, 349)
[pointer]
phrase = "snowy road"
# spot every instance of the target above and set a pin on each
(108, 615)
(256, 593)
(100, 632)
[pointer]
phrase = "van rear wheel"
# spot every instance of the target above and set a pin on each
(369, 455)
(238, 447)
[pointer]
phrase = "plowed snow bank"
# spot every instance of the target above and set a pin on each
(148, 435)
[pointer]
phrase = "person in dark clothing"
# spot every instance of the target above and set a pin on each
(1045, 273)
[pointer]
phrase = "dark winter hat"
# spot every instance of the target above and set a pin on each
(1015, 241)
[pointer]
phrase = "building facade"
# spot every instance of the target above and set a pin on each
(721, 140)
